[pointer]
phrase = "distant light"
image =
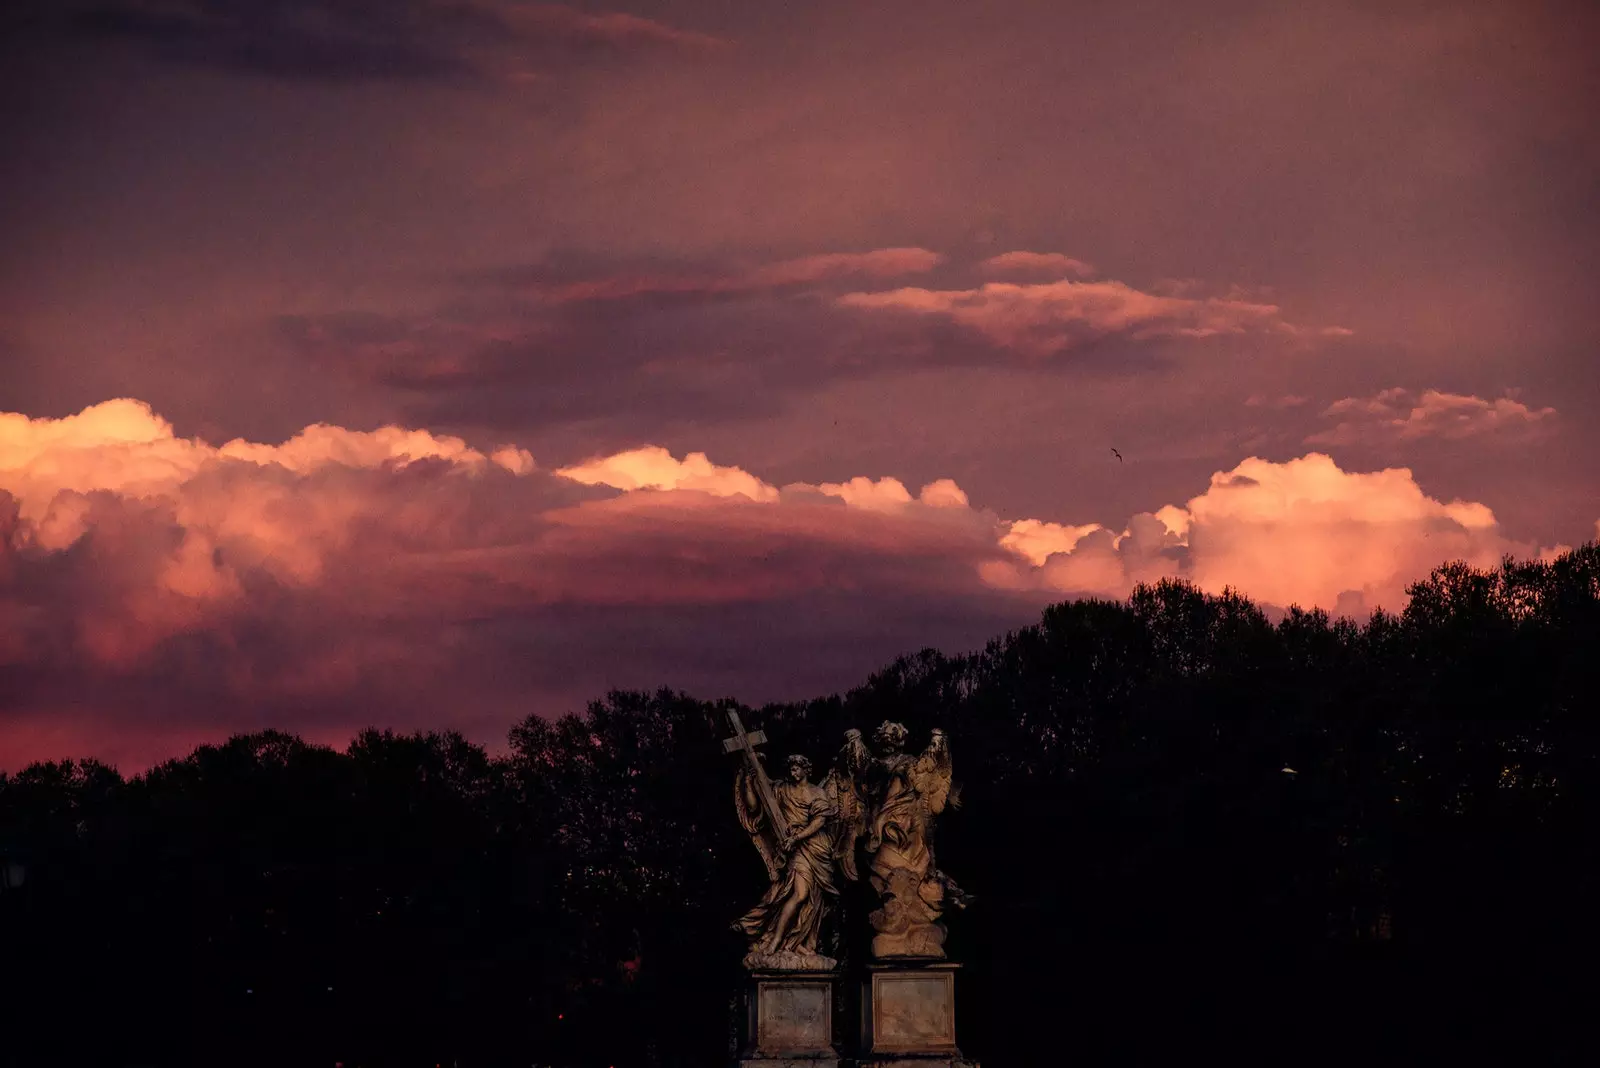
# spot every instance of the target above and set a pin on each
(1287, 770)
(330, 990)
(247, 990)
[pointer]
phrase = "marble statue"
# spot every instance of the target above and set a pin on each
(891, 800)
(879, 803)
(794, 826)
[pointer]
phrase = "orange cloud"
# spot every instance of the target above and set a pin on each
(1396, 414)
(385, 561)
(1044, 319)
(1038, 541)
(1301, 532)
(184, 534)
(653, 467)
(1052, 264)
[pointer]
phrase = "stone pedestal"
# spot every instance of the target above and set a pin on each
(789, 1020)
(908, 1015)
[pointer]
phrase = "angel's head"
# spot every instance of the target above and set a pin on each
(799, 768)
(891, 737)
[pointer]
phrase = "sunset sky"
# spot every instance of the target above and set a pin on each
(428, 363)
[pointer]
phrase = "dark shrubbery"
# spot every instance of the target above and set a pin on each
(1191, 833)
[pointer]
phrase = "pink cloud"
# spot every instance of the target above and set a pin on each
(653, 467)
(1050, 264)
(1044, 319)
(343, 567)
(803, 270)
(1300, 532)
(1397, 414)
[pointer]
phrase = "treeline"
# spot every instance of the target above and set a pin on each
(1190, 831)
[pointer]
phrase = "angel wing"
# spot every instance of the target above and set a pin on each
(845, 791)
(748, 805)
(931, 774)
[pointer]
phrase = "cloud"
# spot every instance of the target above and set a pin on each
(1044, 319)
(890, 494)
(1300, 532)
(1038, 541)
(343, 574)
(803, 270)
(124, 447)
(670, 342)
(348, 41)
(653, 467)
(154, 587)
(1398, 415)
(1047, 264)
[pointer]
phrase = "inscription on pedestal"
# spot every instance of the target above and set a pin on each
(910, 1010)
(790, 1021)
(914, 1011)
(793, 1017)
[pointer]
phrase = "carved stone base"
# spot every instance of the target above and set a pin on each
(789, 1021)
(789, 962)
(908, 1015)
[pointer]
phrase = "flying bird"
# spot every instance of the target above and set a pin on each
(1117, 454)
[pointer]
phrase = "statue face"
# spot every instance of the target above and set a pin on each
(799, 771)
(891, 738)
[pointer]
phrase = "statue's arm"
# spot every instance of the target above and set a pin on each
(806, 830)
(749, 800)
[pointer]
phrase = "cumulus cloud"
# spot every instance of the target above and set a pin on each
(124, 447)
(346, 575)
(1399, 415)
(890, 494)
(653, 467)
(1037, 264)
(1038, 541)
(1301, 532)
(1043, 319)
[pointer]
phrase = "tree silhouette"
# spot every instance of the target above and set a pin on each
(1189, 830)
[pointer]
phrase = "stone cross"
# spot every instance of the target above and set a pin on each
(742, 741)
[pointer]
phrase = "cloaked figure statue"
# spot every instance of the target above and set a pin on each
(800, 855)
(888, 801)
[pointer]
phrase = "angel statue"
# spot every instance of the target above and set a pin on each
(800, 857)
(889, 800)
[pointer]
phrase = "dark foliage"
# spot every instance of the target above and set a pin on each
(1191, 832)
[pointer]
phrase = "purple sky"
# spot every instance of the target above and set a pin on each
(1322, 274)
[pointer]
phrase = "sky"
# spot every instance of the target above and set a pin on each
(432, 363)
